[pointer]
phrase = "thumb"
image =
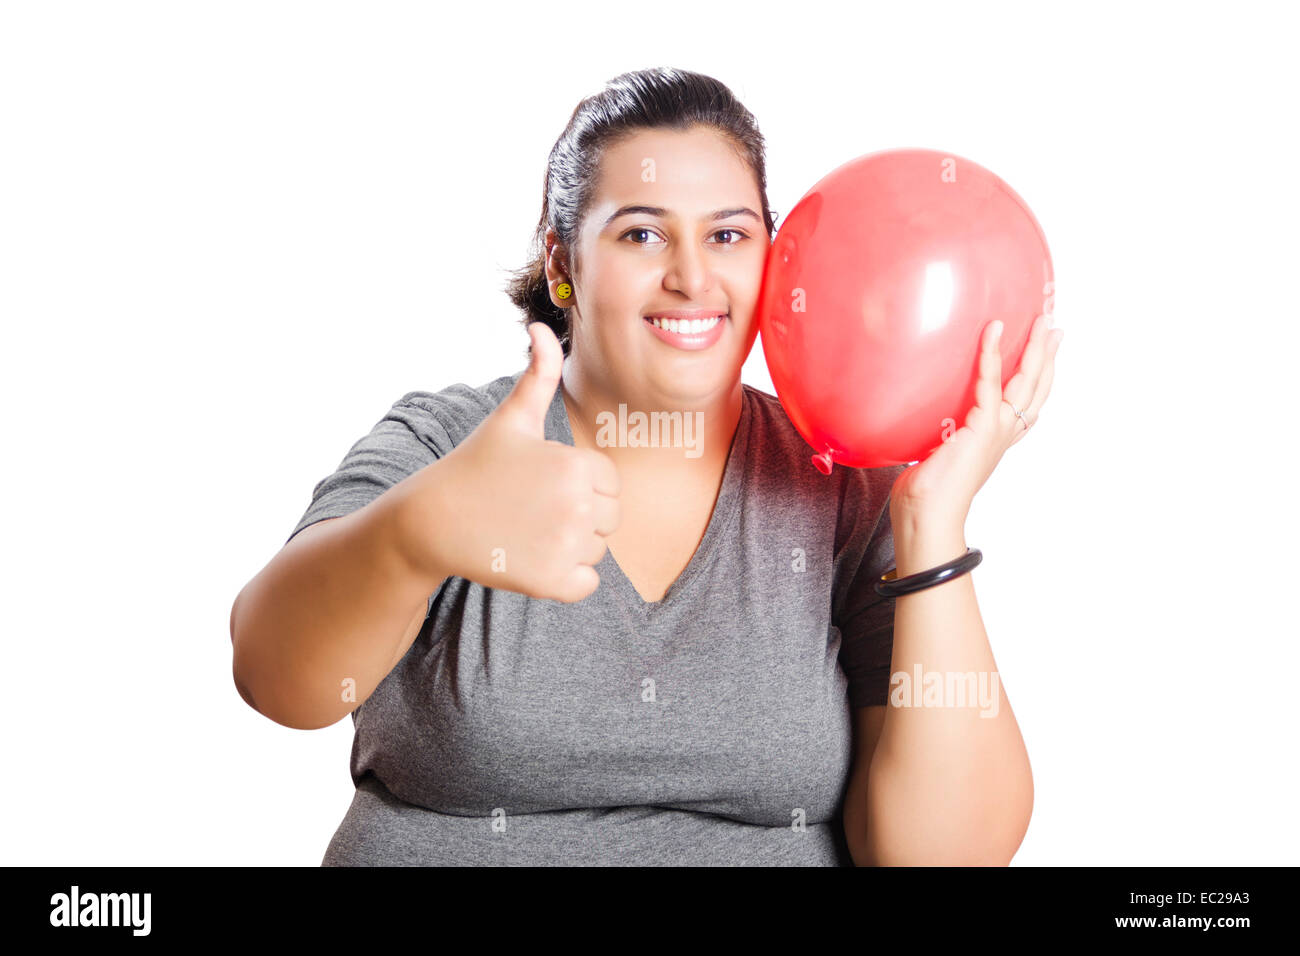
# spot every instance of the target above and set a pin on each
(531, 398)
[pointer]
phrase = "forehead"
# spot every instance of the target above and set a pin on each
(685, 171)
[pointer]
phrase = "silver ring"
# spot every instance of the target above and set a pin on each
(1019, 413)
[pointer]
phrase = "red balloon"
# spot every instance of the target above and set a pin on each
(876, 290)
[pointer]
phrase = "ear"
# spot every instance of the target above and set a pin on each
(557, 259)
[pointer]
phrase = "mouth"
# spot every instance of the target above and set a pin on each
(687, 330)
(686, 323)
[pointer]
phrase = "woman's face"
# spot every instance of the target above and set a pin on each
(675, 225)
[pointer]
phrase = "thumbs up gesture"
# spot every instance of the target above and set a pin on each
(508, 508)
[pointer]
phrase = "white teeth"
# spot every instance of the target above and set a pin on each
(687, 326)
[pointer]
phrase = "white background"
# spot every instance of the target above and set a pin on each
(232, 234)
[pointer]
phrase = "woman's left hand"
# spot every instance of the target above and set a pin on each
(941, 488)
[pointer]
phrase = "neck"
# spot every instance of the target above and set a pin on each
(693, 435)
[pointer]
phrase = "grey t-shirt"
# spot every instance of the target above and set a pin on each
(712, 727)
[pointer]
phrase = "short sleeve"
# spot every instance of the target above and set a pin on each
(406, 439)
(864, 550)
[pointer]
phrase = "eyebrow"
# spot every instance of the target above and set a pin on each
(661, 212)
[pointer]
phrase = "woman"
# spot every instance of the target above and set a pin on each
(713, 689)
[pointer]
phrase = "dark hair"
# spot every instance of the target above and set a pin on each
(660, 98)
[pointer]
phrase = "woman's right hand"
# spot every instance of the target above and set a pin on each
(508, 508)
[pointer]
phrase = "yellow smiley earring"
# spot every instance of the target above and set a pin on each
(564, 290)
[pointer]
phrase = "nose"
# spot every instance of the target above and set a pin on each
(690, 273)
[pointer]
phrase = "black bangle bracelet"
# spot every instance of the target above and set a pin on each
(891, 586)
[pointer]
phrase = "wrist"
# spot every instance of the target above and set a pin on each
(410, 523)
(921, 542)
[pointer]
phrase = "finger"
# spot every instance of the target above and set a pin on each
(1022, 428)
(605, 514)
(604, 473)
(1045, 380)
(1019, 386)
(527, 404)
(1044, 387)
(988, 387)
(593, 551)
(579, 583)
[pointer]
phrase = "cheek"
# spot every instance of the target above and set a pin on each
(623, 291)
(745, 286)
(611, 311)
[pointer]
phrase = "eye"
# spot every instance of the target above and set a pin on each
(734, 232)
(737, 235)
(639, 229)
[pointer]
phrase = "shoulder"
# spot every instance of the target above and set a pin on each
(778, 445)
(859, 496)
(775, 443)
(454, 411)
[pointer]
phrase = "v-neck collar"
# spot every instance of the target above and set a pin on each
(558, 428)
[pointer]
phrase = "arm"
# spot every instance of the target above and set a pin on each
(867, 724)
(951, 784)
(942, 785)
(345, 597)
(338, 601)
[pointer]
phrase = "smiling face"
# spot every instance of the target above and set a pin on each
(675, 225)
